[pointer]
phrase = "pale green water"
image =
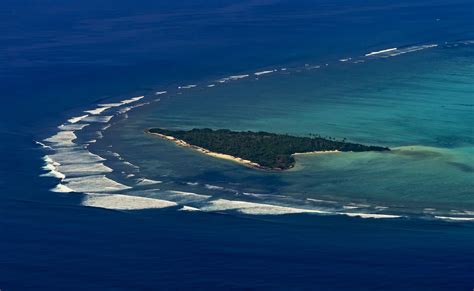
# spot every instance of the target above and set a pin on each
(421, 104)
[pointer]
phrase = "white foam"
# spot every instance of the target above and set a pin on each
(62, 138)
(381, 52)
(189, 195)
(126, 109)
(161, 92)
(463, 212)
(237, 77)
(187, 86)
(77, 119)
(75, 155)
(97, 111)
(132, 100)
(146, 182)
(106, 106)
(254, 208)
(268, 209)
(260, 195)
(54, 173)
(51, 167)
(95, 183)
(48, 160)
(73, 127)
(381, 207)
(43, 145)
(349, 207)
(345, 60)
(124, 202)
(117, 155)
(131, 165)
(189, 208)
(211, 85)
(453, 218)
(233, 78)
(60, 188)
(111, 105)
(213, 187)
(80, 169)
(412, 49)
(179, 197)
(263, 72)
(99, 119)
(391, 52)
(369, 215)
(359, 205)
(321, 201)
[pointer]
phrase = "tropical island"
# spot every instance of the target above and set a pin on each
(261, 150)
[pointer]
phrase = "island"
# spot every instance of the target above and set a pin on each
(262, 150)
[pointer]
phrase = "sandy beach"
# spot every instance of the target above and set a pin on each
(212, 154)
(316, 153)
(233, 158)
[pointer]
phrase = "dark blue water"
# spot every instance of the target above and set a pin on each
(59, 57)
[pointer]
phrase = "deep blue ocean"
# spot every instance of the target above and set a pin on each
(329, 74)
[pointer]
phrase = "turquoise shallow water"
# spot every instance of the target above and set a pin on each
(419, 103)
(60, 58)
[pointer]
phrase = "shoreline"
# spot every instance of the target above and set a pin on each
(201, 150)
(236, 159)
(317, 153)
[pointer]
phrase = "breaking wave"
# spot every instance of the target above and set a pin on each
(77, 169)
(124, 202)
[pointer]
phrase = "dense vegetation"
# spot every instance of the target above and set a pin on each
(269, 150)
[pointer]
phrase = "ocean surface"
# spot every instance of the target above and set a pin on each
(88, 200)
